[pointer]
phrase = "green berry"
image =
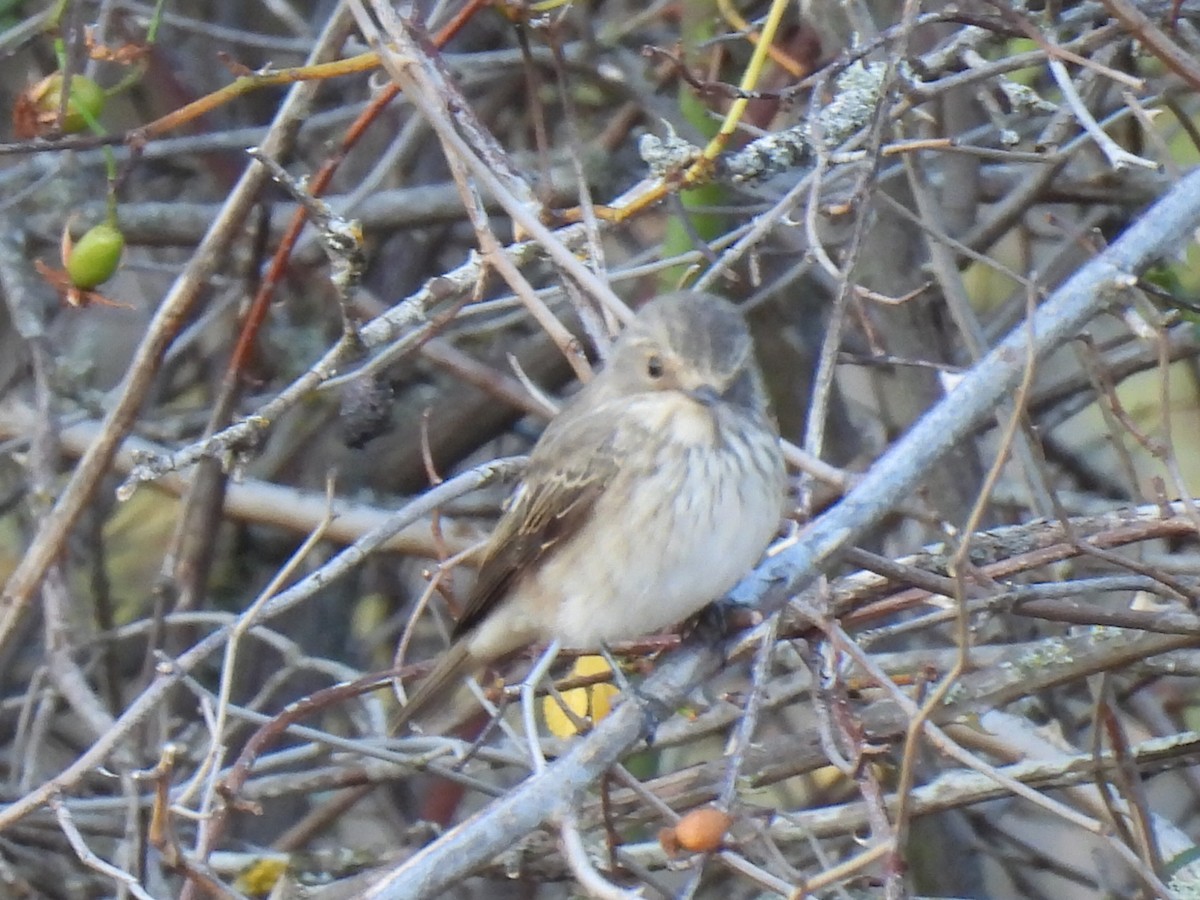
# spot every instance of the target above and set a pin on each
(95, 258)
(85, 95)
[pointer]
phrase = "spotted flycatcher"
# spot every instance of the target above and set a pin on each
(646, 498)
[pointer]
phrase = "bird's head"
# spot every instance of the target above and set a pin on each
(690, 342)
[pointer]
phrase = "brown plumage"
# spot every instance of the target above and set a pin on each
(646, 498)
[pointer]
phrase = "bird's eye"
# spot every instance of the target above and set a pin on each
(654, 367)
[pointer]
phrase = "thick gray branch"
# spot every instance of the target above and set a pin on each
(499, 826)
(1161, 231)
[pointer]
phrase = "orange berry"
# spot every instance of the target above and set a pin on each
(703, 830)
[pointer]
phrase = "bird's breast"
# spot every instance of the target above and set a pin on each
(690, 512)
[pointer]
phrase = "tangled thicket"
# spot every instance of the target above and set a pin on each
(244, 469)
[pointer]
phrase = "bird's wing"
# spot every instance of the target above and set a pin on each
(570, 468)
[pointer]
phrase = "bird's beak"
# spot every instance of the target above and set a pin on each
(705, 395)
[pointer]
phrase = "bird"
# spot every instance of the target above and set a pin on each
(650, 495)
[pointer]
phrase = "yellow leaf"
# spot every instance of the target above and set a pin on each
(593, 702)
(259, 878)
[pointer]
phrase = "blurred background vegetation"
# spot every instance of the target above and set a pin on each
(153, 297)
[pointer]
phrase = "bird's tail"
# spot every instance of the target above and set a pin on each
(434, 706)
